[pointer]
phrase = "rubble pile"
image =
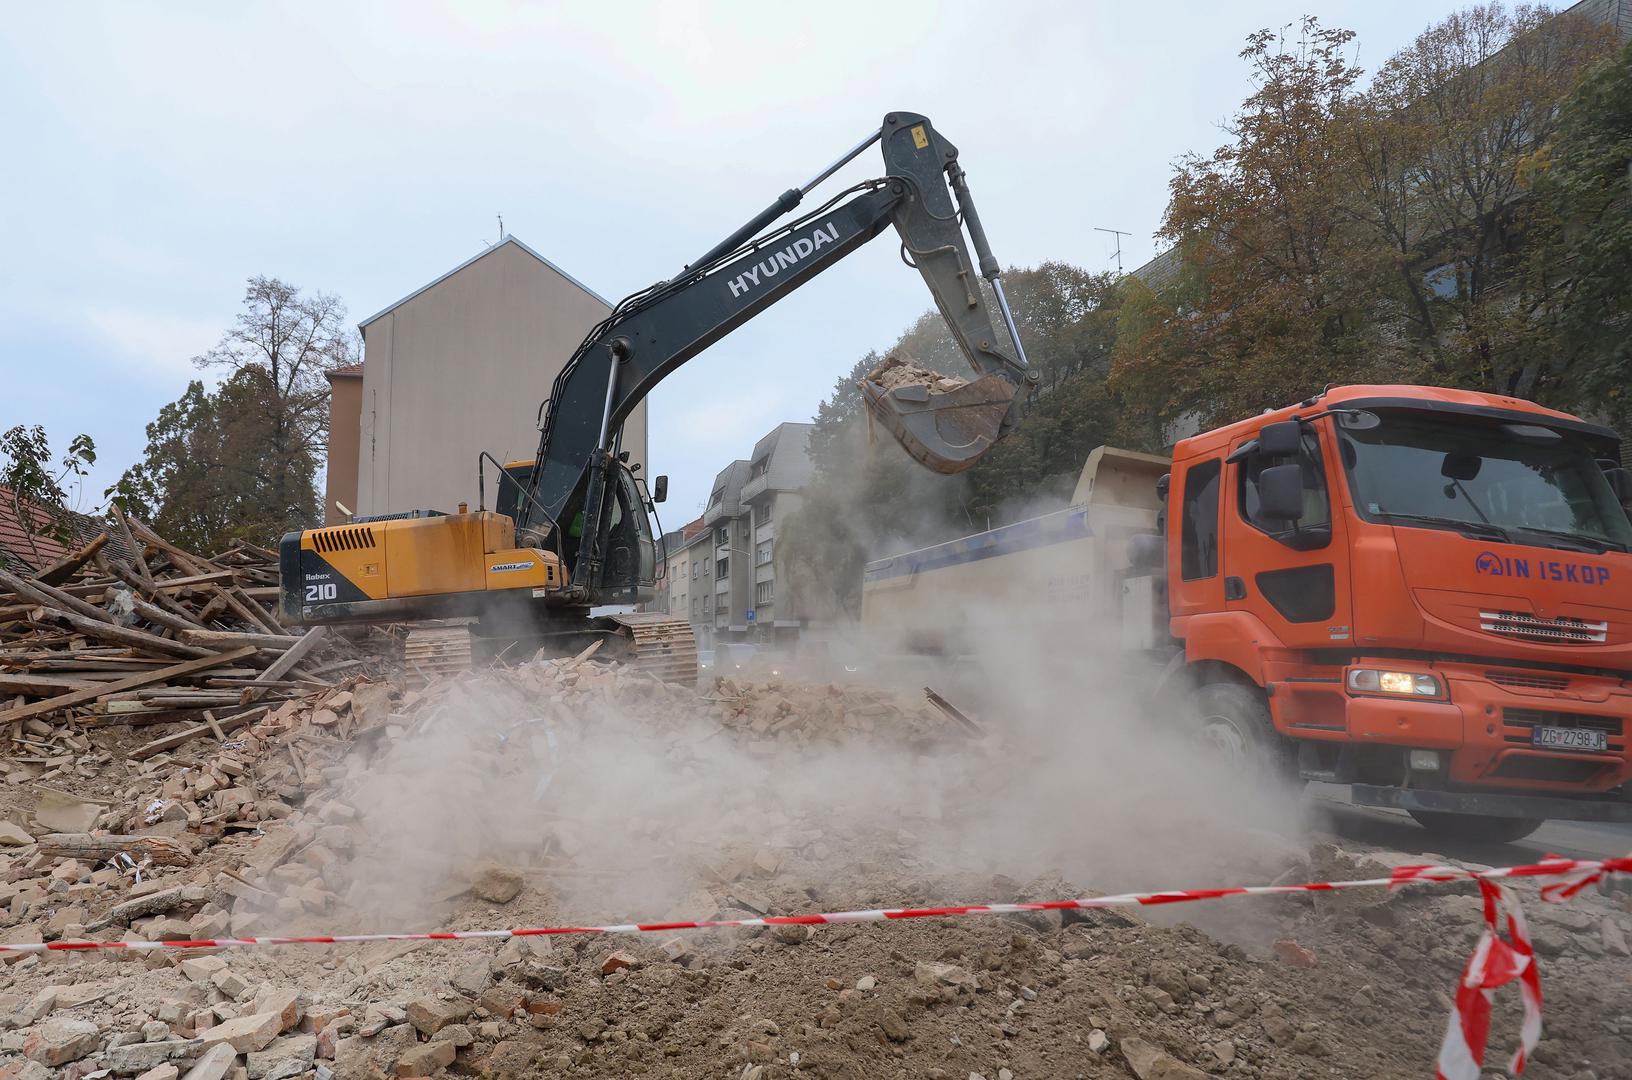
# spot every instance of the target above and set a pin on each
(152, 635)
(899, 370)
(281, 830)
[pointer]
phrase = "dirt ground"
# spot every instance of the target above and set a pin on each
(566, 795)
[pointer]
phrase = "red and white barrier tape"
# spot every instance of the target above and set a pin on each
(1495, 962)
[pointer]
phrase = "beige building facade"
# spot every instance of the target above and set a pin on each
(457, 367)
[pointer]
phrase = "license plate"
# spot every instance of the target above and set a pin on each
(1569, 738)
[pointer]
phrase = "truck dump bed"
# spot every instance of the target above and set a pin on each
(1060, 573)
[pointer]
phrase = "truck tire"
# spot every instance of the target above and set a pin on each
(1476, 828)
(1233, 720)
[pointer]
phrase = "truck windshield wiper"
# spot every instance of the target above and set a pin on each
(1471, 528)
(1575, 541)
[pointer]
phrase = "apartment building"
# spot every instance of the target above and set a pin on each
(727, 559)
(778, 472)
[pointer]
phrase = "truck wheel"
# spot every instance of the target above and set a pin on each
(1233, 721)
(1476, 828)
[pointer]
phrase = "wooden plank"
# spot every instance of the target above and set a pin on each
(186, 560)
(153, 613)
(135, 639)
(250, 613)
(140, 562)
(96, 849)
(170, 742)
(52, 597)
(228, 638)
(284, 664)
(64, 568)
(179, 583)
(134, 682)
(38, 685)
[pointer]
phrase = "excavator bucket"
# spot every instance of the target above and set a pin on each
(943, 422)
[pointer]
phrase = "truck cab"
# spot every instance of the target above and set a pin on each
(1425, 593)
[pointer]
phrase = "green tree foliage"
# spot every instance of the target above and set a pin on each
(1583, 262)
(204, 480)
(35, 494)
(1349, 234)
(240, 462)
(869, 498)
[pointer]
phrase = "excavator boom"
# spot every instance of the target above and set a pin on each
(924, 195)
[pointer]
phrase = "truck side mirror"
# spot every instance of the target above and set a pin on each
(1281, 440)
(1280, 492)
(660, 488)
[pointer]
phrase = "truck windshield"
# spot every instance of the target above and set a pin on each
(1514, 482)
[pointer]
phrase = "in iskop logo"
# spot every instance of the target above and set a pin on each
(1512, 566)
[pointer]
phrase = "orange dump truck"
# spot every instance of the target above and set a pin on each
(1423, 593)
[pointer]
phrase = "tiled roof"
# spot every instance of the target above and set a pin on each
(21, 539)
(350, 370)
(24, 553)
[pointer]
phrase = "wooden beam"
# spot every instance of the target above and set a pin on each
(135, 639)
(284, 664)
(52, 597)
(186, 560)
(170, 742)
(64, 568)
(134, 682)
(229, 638)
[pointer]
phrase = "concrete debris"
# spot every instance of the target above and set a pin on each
(497, 884)
(899, 370)
(60, 1040)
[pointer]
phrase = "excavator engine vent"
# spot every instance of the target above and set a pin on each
(354, 538)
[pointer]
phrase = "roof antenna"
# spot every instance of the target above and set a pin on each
(501, 227)
(1117, 235)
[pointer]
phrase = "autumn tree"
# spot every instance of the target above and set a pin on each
(869, 498)
(1441, 144)
(293, 340)
(1581, 265)
(1274, 292)
(203, 481)
(1350, 233)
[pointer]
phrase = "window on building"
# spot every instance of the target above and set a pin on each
(722, 535)
(722, 567)
(694, 569)
(765, 511)
(762, 592)
(1198, 548)
(761, 467)
(762, 553)
(716, 496)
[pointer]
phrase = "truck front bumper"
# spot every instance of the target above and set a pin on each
(1492, 804)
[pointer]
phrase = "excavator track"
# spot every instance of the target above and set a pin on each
(645, 641)
(429, 651)
(660, 645)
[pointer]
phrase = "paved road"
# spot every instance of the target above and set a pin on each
(1394, 829)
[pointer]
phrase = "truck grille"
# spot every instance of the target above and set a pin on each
(1534, 718)
(1521, 624)
(1528, 680)
(344, 539)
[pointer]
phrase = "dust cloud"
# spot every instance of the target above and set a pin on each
(628, 803)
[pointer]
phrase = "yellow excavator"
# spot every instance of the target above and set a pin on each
(571, 530)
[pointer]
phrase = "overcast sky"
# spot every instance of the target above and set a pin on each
(158, 155)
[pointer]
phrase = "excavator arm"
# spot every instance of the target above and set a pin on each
(648, 335)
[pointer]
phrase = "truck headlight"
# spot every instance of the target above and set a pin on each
(1404, 683)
